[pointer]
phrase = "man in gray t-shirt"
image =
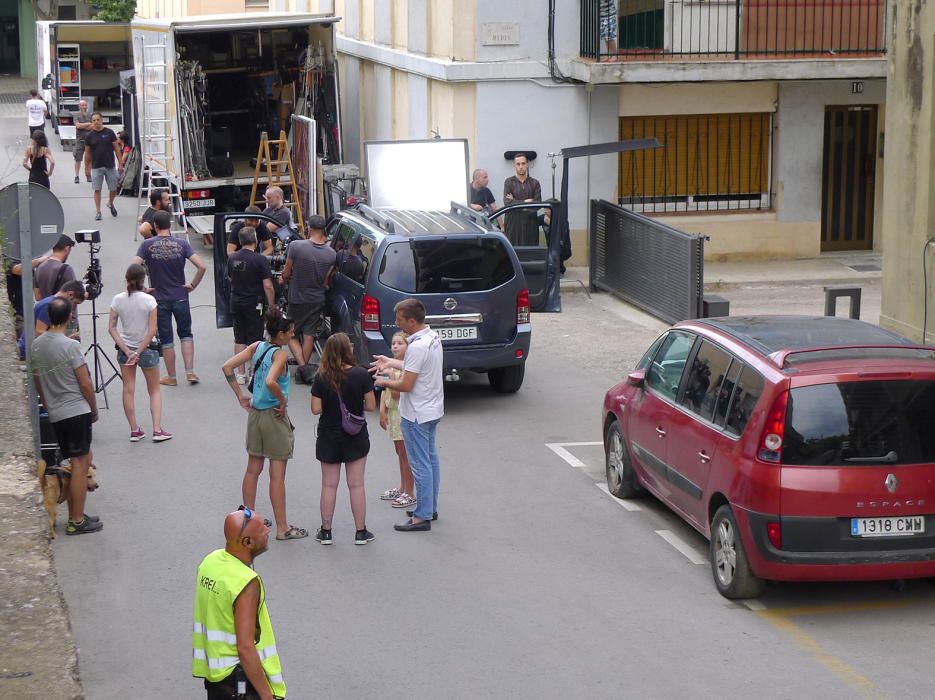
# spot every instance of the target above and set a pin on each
(63, 383)
(55, 271)
(307, 271)
(82, 127)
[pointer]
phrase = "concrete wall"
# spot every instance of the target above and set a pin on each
(909, 191)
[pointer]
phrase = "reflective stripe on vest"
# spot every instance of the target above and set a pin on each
(221, 578)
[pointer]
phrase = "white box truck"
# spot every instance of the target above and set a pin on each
(82, 59)
(208, 86)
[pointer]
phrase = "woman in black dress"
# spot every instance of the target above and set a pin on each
(38, 159)
(339, 372)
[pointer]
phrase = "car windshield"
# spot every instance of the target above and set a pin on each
(861, 423)
(463, 264)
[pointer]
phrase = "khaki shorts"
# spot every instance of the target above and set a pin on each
(269, 436)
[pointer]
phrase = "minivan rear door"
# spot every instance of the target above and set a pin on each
(861, 452)
(529, 228)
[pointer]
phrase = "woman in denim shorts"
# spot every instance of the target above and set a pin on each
(135, 311)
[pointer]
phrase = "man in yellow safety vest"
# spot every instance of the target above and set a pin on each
(234, 649)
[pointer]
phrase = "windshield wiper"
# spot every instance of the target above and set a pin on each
(890, 456)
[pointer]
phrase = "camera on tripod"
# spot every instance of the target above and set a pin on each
(93, 277)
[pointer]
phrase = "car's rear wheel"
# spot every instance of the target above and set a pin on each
(733, 577)
(507, 380)
(621, 481)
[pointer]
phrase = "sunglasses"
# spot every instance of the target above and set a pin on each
(247, 514)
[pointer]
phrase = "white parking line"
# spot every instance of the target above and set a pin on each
(682, 546)
(626, 505)
(559, 449)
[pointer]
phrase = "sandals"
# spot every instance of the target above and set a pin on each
(293, 533)
(404, 501)
(391, 494)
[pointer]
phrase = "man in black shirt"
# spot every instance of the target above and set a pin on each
(101, 152)
(251, 293)
(276, 208)
(482, 198)
(263, 236)
(158, 201)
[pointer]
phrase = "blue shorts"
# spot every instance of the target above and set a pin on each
(165, 312)
(148, 358)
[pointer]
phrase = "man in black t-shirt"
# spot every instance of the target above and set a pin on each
(158, 201)
(263, 236)
(102, 160)
(482, 198)
(276, 209)
(251, 293)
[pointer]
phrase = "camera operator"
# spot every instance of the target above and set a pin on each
(165, 256)
(55, 271)
(251, 294)
(263, 236)
(308, 268)
(74, 292)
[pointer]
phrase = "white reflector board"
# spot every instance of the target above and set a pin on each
(427, 175)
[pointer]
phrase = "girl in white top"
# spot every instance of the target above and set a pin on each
(403, 496)
(136, 312)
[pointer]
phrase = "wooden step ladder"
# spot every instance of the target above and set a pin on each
(275, 169)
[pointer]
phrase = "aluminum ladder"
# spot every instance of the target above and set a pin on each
(158, 148)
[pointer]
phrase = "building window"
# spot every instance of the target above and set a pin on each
(67, 12)
(707, 162)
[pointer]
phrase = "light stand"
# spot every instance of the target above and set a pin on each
(94, 286)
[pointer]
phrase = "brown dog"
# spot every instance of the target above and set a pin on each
(54, 482)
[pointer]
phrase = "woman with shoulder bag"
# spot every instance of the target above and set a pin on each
(270, 433)
(341, 392)
(135, 310)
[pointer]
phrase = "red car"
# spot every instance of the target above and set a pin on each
(803, 448)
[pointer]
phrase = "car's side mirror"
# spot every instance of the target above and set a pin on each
(637, 378)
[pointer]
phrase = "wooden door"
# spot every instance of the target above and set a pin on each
(848, 177)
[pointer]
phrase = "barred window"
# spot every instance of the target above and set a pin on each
(707, 162)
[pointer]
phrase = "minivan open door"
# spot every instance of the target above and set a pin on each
(533, 230)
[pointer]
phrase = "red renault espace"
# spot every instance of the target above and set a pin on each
(803, 448)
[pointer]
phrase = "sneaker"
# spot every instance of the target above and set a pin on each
(391, 494)
(97, 217)
(137, 435)
(192, 378)
(324, 536)
(85, 526)
(113, 210)
(169, 381)
(162, 436)
(364, 536)
(77, 179)
(92, 518)
(434, 515)
(89, 178)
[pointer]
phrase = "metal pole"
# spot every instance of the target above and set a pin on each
(29, 302)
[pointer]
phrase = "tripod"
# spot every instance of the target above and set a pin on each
(94, 286)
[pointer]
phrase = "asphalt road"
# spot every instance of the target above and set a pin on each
(533, 584)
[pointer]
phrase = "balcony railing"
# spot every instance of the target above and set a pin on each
(645, 30)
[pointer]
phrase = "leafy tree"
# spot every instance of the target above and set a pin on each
(115, 10)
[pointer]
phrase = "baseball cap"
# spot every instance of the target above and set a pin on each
(64, 241)
(317, 222)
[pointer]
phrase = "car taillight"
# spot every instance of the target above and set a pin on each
(774, 532)
(370, 314)
(774, 430)
(522, 306)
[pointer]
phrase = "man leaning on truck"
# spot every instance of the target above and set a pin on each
(82, 127)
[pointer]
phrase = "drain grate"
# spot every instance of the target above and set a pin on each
(866, 268)
(13, 99)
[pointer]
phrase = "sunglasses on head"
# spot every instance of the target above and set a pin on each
(247, 514)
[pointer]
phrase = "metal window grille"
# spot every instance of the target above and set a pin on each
(708, 162)
(725, 29)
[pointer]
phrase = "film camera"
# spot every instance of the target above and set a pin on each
(93, 277)
(284, 236)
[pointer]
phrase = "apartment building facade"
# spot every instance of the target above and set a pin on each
(770, 112)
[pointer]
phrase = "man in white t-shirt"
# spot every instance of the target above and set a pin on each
(36, 112)
(421, 407)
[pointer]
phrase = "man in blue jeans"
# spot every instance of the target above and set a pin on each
(421, 407)
(164, 256)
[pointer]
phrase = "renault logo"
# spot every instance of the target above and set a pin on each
(450, 304)
(891, 483)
